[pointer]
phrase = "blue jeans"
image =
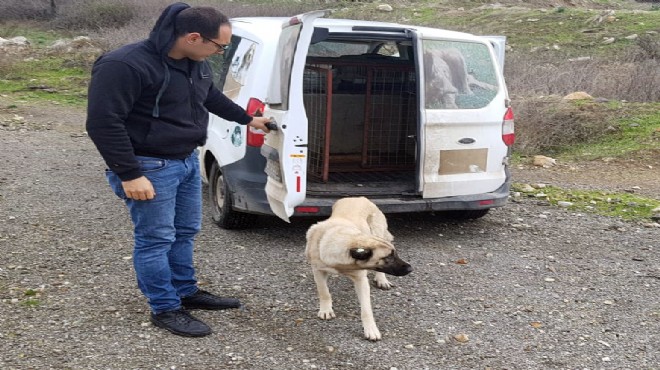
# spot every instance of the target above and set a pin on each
(165, 229)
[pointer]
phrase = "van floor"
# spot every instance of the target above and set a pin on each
(368, 183)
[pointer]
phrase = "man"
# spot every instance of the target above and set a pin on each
(147, 112)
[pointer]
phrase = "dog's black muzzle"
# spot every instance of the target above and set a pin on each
(393, 265)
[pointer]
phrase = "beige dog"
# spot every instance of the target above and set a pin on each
(352, 241)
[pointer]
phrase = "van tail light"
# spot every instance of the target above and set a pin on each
(255, 108)
(508, 132)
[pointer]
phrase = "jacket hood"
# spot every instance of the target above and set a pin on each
(162, 38)
(162, 35)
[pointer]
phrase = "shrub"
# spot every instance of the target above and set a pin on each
(38, 10)
(632, 77)
(544, 124)
(95, 15)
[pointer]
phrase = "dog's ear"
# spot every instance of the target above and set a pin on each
(361, 254)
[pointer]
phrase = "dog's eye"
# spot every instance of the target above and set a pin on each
(361, 254)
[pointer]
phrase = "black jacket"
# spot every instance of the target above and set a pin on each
(141, 102)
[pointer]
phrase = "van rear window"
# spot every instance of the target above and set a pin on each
(458, 75)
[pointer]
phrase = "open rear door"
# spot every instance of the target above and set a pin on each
(286, 148)
(463, 101)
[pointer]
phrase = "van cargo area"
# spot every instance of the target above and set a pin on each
(362, 113)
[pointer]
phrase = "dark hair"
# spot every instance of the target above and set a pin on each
(202, 19)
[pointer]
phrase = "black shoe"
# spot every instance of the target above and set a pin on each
(206, 301)
(180, 322)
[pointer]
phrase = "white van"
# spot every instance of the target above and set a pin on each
(413, 118)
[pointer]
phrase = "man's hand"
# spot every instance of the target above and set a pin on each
(260, 123)
(139, 189)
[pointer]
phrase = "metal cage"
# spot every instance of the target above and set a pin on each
(362, 116)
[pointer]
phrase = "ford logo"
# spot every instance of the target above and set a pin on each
(467, 140)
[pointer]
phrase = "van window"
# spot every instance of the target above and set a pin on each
(458, 75)
(337, 49)
(284, 63)
(233, 66)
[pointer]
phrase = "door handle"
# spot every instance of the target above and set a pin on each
(272, 125)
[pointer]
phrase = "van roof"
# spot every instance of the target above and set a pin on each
(342, 25)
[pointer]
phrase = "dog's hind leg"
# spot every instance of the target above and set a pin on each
(381, 281)
(363, 291)
(325, 299)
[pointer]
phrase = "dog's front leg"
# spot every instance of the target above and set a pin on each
(363, 291)
(325, 299)
(381, 281)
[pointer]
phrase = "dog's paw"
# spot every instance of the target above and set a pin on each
(372, 333)
(326, 314)
(382, 282)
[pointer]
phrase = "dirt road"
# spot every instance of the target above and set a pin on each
(526, 287)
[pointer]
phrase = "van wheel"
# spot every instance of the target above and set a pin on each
(468, 214)
(221, 207)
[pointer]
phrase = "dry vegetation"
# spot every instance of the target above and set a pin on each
(536, 80)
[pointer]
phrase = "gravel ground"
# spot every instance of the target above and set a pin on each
(526, 287)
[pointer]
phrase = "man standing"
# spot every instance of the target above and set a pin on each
(147, 113)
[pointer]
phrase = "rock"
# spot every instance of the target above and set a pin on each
(462, 338)
(527, 188)
(385, 8)
(579, 59)
(77, 44)
(538, 186)
(543, 161)
(634, 36)
(608, 40)
(578, 95)
(564, 204)
(14, 41)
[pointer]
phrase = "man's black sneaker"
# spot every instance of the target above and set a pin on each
(180, 322)
(204, 300)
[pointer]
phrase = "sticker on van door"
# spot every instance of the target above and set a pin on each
(237, 136)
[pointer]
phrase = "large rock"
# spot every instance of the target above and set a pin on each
(14, 41)
(543, 161)
(578, 95)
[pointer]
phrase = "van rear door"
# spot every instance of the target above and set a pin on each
(462, 102)
(285, 149)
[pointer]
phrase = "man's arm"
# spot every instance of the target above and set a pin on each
(113, 90)
(223, 107)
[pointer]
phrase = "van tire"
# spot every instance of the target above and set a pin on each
(220, 198)
(467, 214)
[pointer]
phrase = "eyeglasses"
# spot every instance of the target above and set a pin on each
(220, 46)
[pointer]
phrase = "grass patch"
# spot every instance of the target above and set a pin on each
(31, 302)
(638, 131)
(629, 207)
(45, 78)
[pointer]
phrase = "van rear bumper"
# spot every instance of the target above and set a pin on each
(249, 196)
(497, 198)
